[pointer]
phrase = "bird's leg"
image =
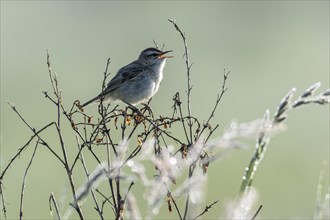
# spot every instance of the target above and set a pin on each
(152, 122)
(140, 114)
(145, 108)
(133, 108)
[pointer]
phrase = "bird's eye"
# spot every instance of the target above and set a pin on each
(154, 55)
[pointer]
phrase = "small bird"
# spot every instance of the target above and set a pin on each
(138, 81)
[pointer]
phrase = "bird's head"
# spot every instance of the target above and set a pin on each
(152, 56)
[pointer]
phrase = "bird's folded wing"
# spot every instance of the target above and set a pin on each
(124, 75)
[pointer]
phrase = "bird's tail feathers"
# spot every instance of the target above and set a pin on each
(90, 101)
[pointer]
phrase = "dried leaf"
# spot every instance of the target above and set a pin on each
(184, 151)
(128, 120)
(140, 142)
(90, 119)
(98, 140)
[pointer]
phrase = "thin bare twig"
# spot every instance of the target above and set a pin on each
(129, 189)
(219, 97)
(190, 124)
(256, 214)
(53, 200)
(58, 95)
(82, 159)
(4, 210)
(106, 199)
(36, 134)
(207, 208)
(189, 86)
(177, 103)
(170, 196)
(155, 126)
(190, 174)
(24, 179)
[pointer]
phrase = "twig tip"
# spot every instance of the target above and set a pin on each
(12, 105)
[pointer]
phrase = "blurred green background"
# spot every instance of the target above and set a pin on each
(269, 47)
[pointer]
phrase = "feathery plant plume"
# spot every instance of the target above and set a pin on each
(242, 209)
(133, 211)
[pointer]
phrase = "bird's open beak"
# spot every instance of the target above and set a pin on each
(163, 56)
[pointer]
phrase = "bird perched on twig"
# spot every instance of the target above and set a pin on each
(138, 81)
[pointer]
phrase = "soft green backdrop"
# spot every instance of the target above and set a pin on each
(269, 47)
